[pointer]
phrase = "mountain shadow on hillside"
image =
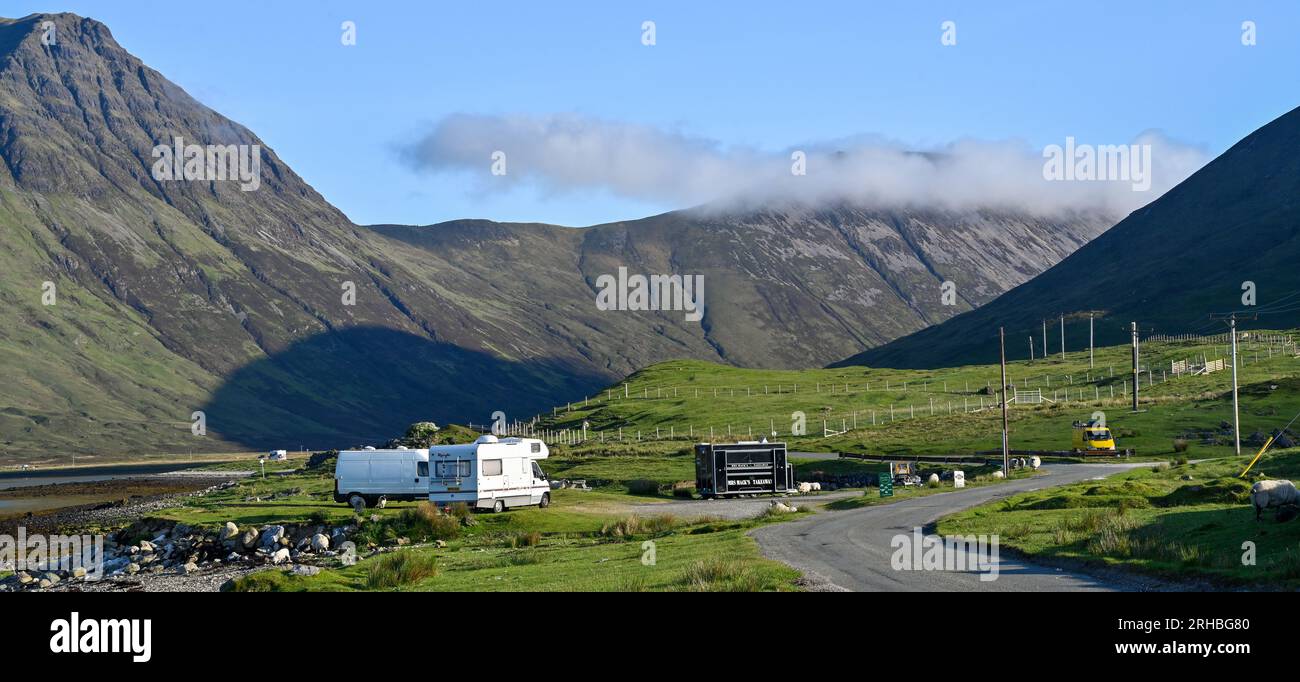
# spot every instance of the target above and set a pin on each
(364, 385)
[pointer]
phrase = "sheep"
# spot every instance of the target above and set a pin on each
(1035, 462)
(817, 487)
(1265, 494)
(781, 508)
(805, 488)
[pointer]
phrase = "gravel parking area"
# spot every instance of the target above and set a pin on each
(735, 508)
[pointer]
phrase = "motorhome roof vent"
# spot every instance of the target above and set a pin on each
(486, 438)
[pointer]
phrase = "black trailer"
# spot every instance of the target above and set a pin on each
(723, 469)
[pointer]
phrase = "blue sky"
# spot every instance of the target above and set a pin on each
(762, 76)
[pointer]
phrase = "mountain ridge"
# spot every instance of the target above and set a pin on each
(1167, 266)
(182, 297)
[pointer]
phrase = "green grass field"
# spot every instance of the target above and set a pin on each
(568, 563)
(1187, 521)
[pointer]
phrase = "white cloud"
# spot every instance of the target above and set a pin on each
(569, 153)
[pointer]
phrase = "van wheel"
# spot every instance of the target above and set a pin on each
(546, 501)
(358, 502)
(498, 506)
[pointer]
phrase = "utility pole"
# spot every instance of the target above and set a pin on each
(1044, 339)
(1062, 336)
(1236, 410)
(1090, 340)
(1136, 378)
(1006, 449)
(1031, 348)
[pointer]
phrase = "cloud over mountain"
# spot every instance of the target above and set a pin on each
(570, 153)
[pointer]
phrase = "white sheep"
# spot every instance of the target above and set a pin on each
(817, 487)
(1265, 494)
(1035, 462)
(805, 488)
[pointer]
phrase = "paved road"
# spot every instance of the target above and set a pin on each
(852, 549)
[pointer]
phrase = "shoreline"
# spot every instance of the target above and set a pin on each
(115, 500)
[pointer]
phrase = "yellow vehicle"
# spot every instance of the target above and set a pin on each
(1092, 436)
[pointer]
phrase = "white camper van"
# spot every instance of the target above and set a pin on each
(381, 475)
(490, 473)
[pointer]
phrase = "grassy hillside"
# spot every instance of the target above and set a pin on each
(939, 412)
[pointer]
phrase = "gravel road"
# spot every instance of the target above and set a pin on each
(734, 508)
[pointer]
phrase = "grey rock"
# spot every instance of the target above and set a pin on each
(271, 536)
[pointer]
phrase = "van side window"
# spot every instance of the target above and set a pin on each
(491, 467)
(456, 469)
(421, 468)
(537, 447)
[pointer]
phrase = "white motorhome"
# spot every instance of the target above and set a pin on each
(373, 476)
(490, 473)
